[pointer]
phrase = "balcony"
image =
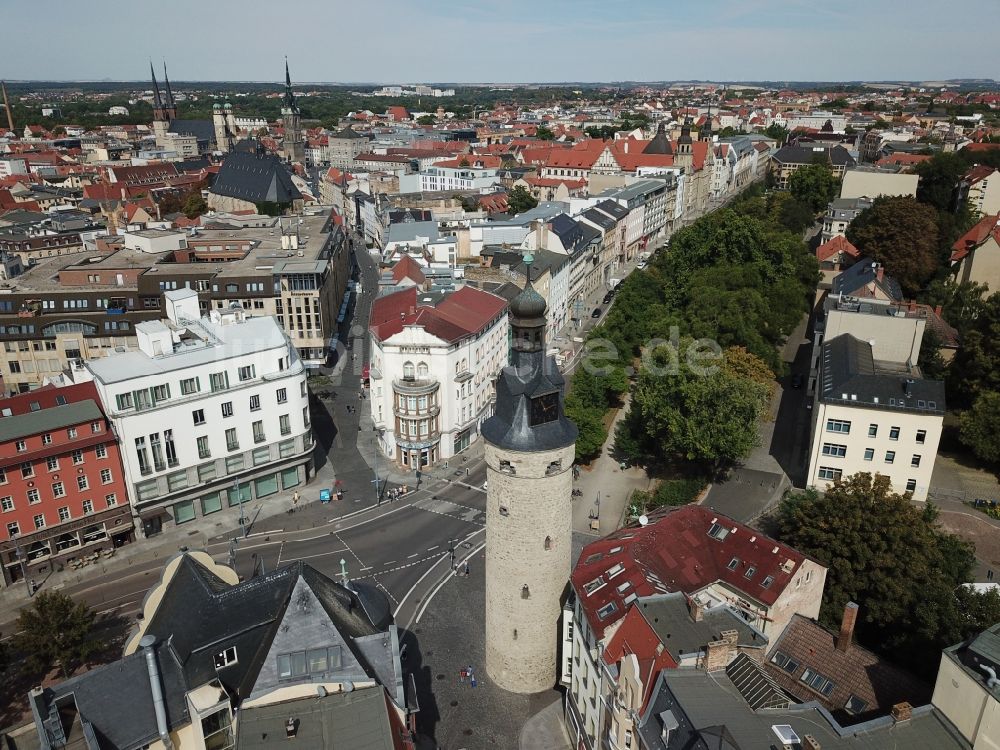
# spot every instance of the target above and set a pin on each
(409, 442)
(415, 386)
(401, 410)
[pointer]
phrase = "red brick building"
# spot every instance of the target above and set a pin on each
(62, 490)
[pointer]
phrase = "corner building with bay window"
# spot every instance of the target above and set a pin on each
(434, 362)
(209, 412)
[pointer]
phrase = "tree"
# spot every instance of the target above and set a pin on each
(902, 235)
(774, 130)
(979, 427)
(890, 557)
(58, 131)
(520, 200)
(976, 367)
(815, 185)
(929, 360)
(543, 133)
(426, 120)
(195, 204)
(790, 212)
(55, 631)
(706, 417)
(939, 178)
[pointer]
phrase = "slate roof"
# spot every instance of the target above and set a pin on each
(255, 177)
(670, 618)
(855, 280)
(202, 130)
(600, 218)
(199, 615)
(348, 133)
(660, 143)
(613, 208)
(92, 703)
(856, 672)
(851, 376)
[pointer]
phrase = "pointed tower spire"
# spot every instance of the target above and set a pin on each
(157, 102)
(166, 81)
(289, 96)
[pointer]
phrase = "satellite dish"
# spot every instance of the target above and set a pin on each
(643, 520)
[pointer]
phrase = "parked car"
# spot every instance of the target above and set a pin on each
(797, 380)
(608, 297)
(640, 265)
(596, 313)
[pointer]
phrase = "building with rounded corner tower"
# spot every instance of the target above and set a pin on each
(530, 446)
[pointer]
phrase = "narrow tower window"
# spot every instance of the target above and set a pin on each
(525, 593)
(548, 543)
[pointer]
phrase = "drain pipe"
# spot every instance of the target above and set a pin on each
(155, 686)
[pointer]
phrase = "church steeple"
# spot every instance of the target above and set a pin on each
(705, 134)
(292, 145)
(289, 96)
(157, 102)
(169, 105)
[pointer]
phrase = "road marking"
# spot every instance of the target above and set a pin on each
(427, 573)
(448, 576)
(292, 558)
(431, 549)
(388, 562)
(410, 557)
(380, 585)
(280, 550)
(348, 548)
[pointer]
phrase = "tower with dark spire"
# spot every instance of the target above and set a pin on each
(529, 446)
(169, 105)
(660, 143)
(161, 115)
(292, 145)
(705, 134)
(685, 147)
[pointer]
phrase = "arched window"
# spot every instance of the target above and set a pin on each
(408, 370)
(525, 593)
(422, 370)
(548, 543)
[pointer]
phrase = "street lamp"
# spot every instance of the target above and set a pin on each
(377, 482)
(239, 499)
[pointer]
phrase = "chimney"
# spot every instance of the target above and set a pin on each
(879, 272)
(847, 627)
(937, 310)
(901, 712)
(696, 610)
(156, 688)
(913, 306)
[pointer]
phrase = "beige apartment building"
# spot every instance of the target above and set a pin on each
(967, 690)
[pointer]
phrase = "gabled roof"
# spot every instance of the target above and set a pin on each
(837, 246)
(855, 672)
(255, 177)
(855, 280)
(674, 552)
(408, 268)
(988, 226)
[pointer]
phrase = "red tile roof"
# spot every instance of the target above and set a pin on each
(675, 553)
(835, 247)
(979, 173)
(46, 397)
(408, 268)
(462, 313)
(988, 226)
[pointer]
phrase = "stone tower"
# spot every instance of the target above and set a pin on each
(292, 144)
(220, 124)
(685, 148)
(530, 447)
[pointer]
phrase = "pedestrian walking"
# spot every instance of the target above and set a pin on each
(473, 681)
(295, 498)
(466, 572)
(989, 574)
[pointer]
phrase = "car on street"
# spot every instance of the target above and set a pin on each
(596, 313)
(797, 380)
(608, 297)
(640, 265)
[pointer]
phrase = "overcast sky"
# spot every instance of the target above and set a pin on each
(405, 41)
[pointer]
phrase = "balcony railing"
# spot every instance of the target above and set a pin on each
(415, 386)
(431, 410)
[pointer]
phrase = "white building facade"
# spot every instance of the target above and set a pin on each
(210, 412)
(433, 366)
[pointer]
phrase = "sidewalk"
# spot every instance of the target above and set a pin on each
(545, 730)
(606, 487)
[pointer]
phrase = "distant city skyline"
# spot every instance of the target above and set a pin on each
(397, 41)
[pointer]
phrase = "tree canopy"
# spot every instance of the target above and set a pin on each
(520, 200)
(815, 185)
(902, 235)
(55, 631)
(894, 560)
(703, 417)
(979, 427)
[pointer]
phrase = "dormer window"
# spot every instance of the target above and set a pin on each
(224, 658)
